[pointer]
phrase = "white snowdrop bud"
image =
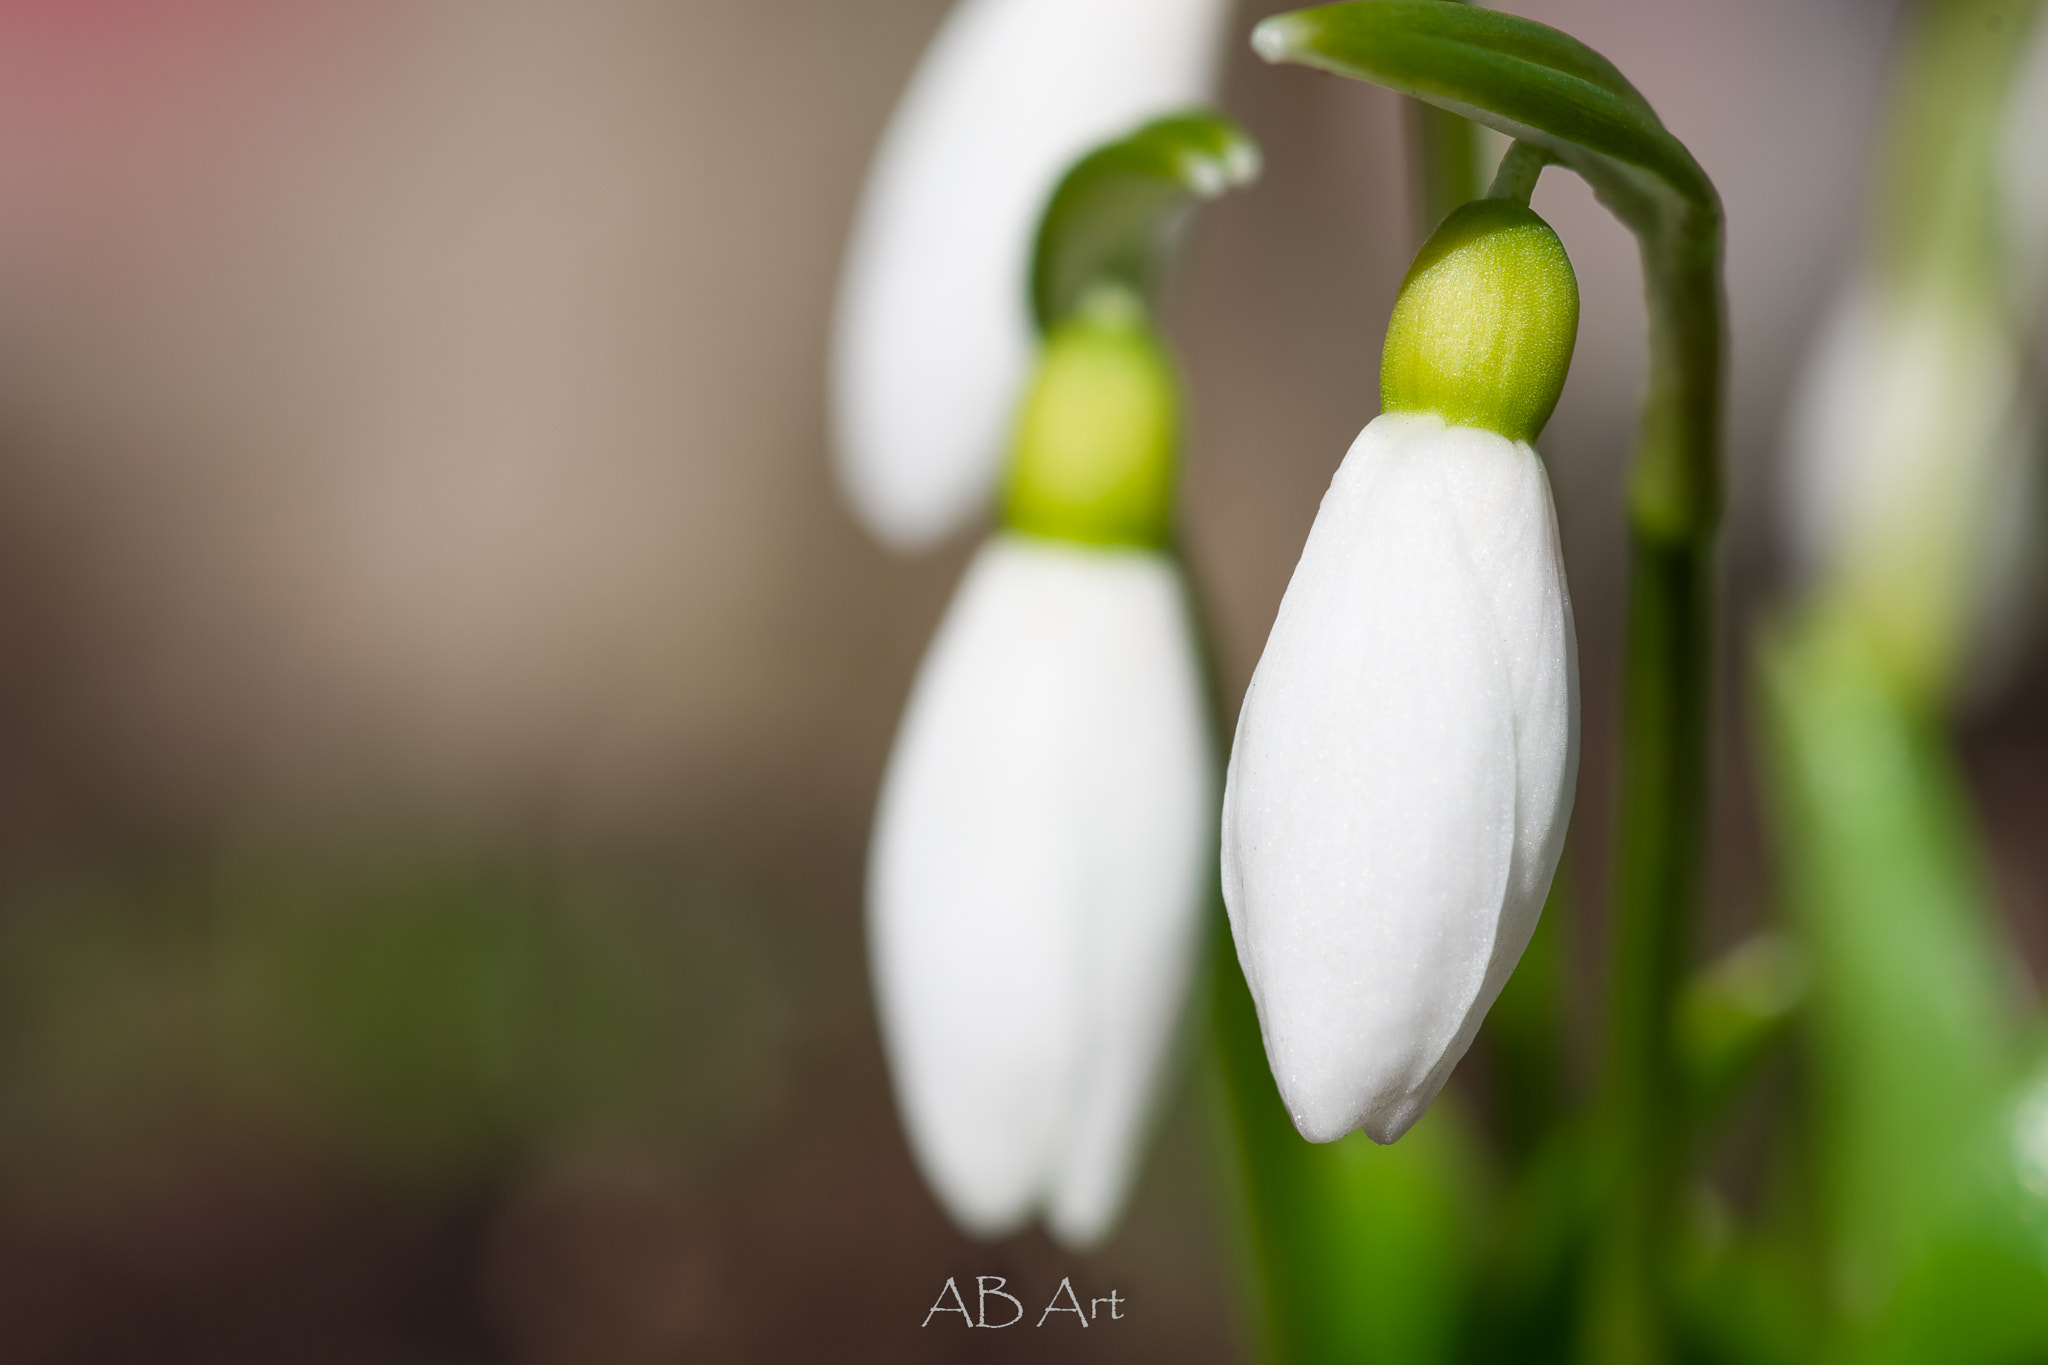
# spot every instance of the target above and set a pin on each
(1405, 758)
(1036, 879)
(933, 335)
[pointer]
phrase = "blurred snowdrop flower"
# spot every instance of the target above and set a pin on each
(1908, 490)
(1042, 846)
(1040, 849)
(1405, 758)
(1911, 494)
(933, 336)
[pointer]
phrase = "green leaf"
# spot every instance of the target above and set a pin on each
(1913, 1014)
(1521, 77)
(1115, 216)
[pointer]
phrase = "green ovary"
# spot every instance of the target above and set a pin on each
(1482, 332)
(1099, 435)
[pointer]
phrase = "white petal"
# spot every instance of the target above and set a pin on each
(1894, 389)
(1036, 880)
(1403, 771)
(1904, 471)
(933, 332)
(1509, 526)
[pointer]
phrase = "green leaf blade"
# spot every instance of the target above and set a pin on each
(1523, 78)
(1334, 27)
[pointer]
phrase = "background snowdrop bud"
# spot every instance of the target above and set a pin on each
(1405, 758)
(933, 334)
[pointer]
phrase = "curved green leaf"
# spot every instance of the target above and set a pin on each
(1521, 77)
(1116, 214)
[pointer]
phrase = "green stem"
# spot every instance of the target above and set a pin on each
(1675, 487)
(1519, 168)
(1674, 507)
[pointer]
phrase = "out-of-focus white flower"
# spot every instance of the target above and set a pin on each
(1911, 494)
(1041, 849)
(1906, 478)
(1036, 878)
(1406, 756)
(933, 334)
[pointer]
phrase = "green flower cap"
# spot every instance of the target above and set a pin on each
(1483, 330)
(1099, 434)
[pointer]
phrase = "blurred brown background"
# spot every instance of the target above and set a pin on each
(441, 694)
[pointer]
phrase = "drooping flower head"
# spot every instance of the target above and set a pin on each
(934, 341)
(1406, 755)
(1042, 843)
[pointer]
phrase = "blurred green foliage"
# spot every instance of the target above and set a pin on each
(434, 1016)
(1931, 1239)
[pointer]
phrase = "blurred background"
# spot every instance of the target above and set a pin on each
(441, 697)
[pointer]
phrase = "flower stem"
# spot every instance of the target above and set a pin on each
(1516, 178)
(1674, 507)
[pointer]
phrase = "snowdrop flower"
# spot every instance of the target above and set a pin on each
(1911, 494)
(933, 336)
(1039, 855)
(1906, 478)
(1405, 758)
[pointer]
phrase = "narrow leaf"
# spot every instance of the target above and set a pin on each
(1521, 77)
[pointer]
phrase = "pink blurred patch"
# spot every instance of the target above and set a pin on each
(100, 58)
(108, 105)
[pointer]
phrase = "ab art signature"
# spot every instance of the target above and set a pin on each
(1064, 1300)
